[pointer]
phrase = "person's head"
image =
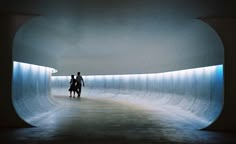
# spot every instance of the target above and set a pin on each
(72, 76)
(78, 73)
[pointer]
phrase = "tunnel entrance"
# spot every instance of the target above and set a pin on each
(172, 98)
(181, 83)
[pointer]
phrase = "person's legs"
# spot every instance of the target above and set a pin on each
(79, 92)
(73, 92)
(70, 93)
(76, 90)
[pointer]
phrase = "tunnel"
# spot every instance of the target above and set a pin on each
(192, 98)
(197, 91)
(151, 74)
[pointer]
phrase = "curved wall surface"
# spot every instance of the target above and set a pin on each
(198, 91)
(31, 90)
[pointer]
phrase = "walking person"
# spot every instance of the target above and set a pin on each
(72, 86)
(79, 83)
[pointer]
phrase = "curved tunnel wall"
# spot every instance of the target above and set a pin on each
(31, 90)
(199, 90)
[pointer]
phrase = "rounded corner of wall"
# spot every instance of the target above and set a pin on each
(30, 89)
(209, 25)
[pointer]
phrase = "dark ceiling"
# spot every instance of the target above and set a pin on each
(118, 36)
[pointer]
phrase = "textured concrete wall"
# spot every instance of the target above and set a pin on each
(198, 91)
(31, 90)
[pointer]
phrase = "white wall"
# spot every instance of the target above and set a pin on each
(31, 91)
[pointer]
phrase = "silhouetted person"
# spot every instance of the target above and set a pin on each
(79, 82)
(72, 86)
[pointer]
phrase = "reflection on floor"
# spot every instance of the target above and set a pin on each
(93, 120)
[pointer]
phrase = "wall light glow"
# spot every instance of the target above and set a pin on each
(30, 90)
(26, 67)
(197, 90)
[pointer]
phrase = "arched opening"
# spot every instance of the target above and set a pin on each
(147, 50)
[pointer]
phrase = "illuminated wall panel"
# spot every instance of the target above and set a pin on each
(31, 89)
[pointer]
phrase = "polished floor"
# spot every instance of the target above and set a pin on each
(92, 120)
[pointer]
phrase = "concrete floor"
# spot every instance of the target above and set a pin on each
(103, 120)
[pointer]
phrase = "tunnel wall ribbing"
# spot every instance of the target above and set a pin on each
(31, 90)
(199, 90)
